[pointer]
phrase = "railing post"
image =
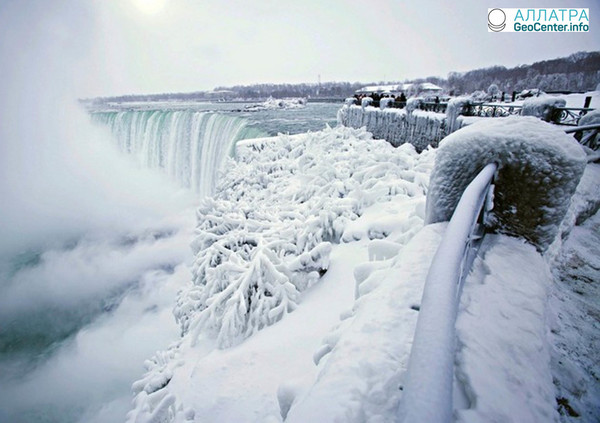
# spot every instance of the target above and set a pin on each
(514, 95)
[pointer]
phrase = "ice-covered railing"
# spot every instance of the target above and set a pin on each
(428, 392)
(587, 131)
(424, 124)
(536, 169)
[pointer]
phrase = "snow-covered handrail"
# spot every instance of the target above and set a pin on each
(428, 390)
(588, 139)
(582, 128)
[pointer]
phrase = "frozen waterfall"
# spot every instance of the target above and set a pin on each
(190, 146)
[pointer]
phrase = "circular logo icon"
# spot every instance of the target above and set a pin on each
(496, 20)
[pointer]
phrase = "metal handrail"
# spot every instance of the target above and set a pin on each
(582, 128)
(428, 391)
(589, 139)
(579, 109)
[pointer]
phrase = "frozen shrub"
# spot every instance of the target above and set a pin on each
(479, 96)
(266, 235)
(493, 90)
(539, 167)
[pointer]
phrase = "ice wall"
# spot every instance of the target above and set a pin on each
(397, 126)
(539, 167)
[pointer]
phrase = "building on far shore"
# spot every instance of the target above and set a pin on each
(424, 88)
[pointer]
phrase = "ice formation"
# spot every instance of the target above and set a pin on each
(385, 102)
(591, 138)
(454, 110)
(290, 208)
(539, 167)
(189, 146)
(590, 118)
(397, 126)
(266, 237)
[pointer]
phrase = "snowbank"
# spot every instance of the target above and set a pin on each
(542, 107)
(573, 323)
(539, 167)
(362, 363)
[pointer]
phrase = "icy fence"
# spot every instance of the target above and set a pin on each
(421, 124)
(537, 169)
(416, 127)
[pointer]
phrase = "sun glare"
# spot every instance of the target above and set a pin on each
(150, 7)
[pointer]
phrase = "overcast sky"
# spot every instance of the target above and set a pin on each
(111, 47)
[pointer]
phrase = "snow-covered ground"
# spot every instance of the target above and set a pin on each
(335, 348)
(578, 100)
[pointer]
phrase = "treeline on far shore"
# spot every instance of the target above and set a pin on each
(578, 72)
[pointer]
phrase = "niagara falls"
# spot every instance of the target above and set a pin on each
(268, 212)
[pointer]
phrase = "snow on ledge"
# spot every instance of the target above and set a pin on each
(539, 167)
(363, 362)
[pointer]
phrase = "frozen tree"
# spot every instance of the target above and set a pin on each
(493, 90)
(266, 236)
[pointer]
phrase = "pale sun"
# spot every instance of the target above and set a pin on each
(150, 7)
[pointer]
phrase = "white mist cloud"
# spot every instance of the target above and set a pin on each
(88, 379)
(60, 175)
(95, 267)
(61, 181)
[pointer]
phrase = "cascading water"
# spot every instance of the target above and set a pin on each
(190, 146)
